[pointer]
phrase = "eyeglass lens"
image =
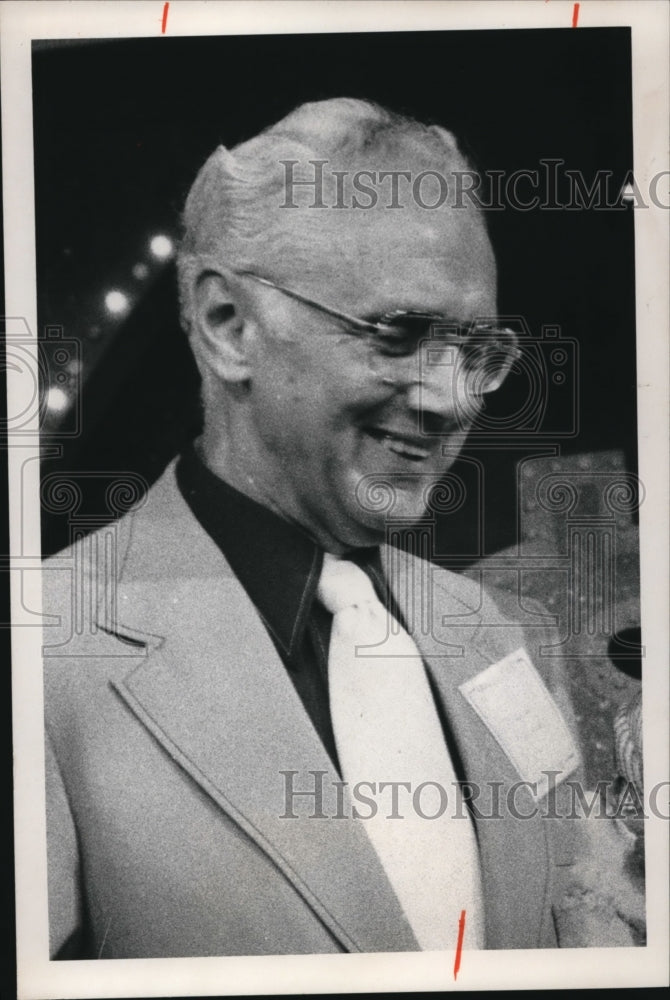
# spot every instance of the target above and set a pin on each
(484, 352)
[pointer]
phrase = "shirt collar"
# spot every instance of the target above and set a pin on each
(277, 563)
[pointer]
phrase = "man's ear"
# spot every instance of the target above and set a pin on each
(220, 327)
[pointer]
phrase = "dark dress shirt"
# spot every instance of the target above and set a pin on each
(279, 566)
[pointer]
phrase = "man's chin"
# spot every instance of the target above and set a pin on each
(381, 505)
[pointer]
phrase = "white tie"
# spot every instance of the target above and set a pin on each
(387, 730)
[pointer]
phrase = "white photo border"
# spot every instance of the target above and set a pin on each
(37, 976)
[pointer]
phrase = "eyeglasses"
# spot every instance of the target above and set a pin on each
(487, 352)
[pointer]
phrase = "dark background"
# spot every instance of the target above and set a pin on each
(121, 128)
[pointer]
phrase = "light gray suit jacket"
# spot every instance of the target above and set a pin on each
(169, 718)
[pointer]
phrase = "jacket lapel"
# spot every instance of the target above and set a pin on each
(214, 692)
(448, 629)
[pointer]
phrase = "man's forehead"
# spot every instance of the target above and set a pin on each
(381, 248)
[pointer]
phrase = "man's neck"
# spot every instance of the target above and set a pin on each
(223, 462)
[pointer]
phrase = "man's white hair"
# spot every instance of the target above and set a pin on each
(234, 211)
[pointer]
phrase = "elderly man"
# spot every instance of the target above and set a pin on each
(269, 732)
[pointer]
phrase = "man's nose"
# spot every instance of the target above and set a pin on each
(437, 384)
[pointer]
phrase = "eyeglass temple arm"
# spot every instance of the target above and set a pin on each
(355, 321)
(361, 324)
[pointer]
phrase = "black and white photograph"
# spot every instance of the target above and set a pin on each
(337, 435)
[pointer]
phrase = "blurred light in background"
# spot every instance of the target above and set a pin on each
(116, 302)
(140, 272)
(57, 400)
(161, 247)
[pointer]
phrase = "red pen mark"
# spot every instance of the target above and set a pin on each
(575, 15)
(166, 7)
(459, 945)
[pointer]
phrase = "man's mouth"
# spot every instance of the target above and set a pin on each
(406, 446)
